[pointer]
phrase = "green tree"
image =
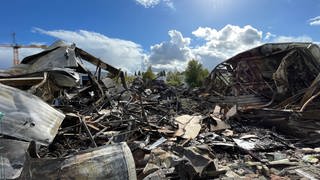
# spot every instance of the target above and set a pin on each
(174, 78)
(129, 79)
(195, 73)
(148, 74)
(161, 73)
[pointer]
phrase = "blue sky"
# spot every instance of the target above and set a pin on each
(132, 34)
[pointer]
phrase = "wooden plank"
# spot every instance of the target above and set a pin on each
(23, 81)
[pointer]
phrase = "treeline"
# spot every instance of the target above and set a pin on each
(193, 75)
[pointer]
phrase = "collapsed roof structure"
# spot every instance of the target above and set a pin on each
(276, 85)
(60, 64)
(55, 75)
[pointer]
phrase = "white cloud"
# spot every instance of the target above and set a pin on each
(6, 58)
(171, 53)
(269, 36)
(219, 45)
(229, 33)
(148, 3)
(120, 53)
(171, 66)
(153, 3)
(224, 43)
(314, 21)
(215, 45)
(231, 40)
(6, 55)
(170, 4)
(282, 39)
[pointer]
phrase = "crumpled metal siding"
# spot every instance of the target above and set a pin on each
(62, 57)
(27, 116)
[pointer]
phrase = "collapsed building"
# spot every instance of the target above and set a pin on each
(39, 96)
(275, 85)
(256, 118)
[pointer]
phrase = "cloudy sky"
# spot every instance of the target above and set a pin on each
(132, 34)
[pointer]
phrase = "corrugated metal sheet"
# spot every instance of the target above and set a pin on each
(27, 116)
(59, 57)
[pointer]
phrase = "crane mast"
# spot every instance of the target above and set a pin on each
(16, 48)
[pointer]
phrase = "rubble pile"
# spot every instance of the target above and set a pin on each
(252, 120)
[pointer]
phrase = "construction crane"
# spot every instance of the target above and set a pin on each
(16, 48)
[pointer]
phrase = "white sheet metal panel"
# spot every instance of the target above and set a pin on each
(61, 57)
(27, 117)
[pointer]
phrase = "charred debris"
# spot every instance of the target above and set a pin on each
(257, 117)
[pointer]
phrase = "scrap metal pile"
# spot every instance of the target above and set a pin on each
(256, 118)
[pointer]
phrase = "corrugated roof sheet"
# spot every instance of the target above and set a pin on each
(27, 116)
